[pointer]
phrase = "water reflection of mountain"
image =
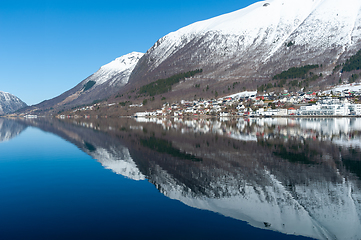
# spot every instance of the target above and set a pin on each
(108, 150)
(9, 129)
(287, 178)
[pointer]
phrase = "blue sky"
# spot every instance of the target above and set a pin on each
(49, 46)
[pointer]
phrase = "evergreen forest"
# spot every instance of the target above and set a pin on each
(165, 85)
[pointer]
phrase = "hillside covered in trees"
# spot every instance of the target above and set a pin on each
(354, 63)
(165, 85)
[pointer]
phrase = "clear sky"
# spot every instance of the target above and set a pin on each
(49, 46)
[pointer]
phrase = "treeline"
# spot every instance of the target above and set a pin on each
(354, 63)
(295, 72)
(353, 78)
(165, 85)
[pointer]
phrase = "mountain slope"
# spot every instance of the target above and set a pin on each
(253, 44)
(9, 103)
(109, 79)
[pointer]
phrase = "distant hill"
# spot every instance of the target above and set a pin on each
(10, 103)
(108, 80)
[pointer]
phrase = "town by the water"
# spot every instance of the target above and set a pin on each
(341, 101)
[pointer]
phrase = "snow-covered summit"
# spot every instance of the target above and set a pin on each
(122, 66)
(279, 18)
(259, 15)
(124, 62)
(319, 31)
(5, 96)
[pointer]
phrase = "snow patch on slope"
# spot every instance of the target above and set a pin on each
(352, 87)
(242, 94)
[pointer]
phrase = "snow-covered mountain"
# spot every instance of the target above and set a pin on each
(9, 103)
(108, 80)
(252, 44)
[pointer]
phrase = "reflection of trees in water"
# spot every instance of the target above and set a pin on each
(264, 175)
(224, 157)
(351, 160)
(316, 152)
(164, 146)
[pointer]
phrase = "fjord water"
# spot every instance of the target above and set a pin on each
(180, 179)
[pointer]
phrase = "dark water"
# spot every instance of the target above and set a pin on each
(180, 179)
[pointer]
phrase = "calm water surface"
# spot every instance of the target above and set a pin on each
(180, 179)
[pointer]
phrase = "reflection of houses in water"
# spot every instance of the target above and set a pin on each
(332, 126)
(339, 130)
(326, 126)
(348, 142)
(249, 129)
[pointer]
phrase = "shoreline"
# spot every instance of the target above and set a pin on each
(184, 117)
(210, 117)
